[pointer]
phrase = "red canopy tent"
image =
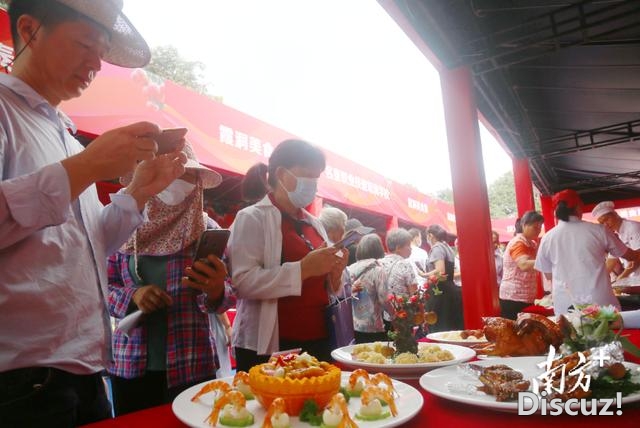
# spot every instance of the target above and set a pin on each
(229, 140)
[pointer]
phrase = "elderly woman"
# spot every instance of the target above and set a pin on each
(369, 279)
(282, 269)
(572, 255)
(520, 280)
(334, 221)
(401, 277)
(448, 305)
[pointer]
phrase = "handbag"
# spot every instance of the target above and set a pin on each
(340, 321)
(339, 313)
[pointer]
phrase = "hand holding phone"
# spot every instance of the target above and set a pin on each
(213, 241)
(170, 140)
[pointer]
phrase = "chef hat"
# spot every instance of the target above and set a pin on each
(602, 208)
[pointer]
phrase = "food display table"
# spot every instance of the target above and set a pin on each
(436, 412)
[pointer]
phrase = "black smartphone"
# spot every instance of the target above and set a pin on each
(212, 241)
(353, 236)
(169, 139)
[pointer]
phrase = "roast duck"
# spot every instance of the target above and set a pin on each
(530, 334)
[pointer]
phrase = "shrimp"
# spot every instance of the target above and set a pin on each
(379, 378)
(234, 398)
(277, 412)
(371, 393)
(356, 375)
(216, 385)
(241, 383)
(357, 381)
(337, 413)
(241, 377)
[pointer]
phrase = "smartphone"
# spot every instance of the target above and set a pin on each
(350, 238)
(212, 241)
(169, 140)
(353, 236)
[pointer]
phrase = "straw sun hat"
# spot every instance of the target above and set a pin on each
(128, 48)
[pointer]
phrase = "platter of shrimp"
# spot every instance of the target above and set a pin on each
(365, 400)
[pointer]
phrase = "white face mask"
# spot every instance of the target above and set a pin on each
(176, 192)
(305, 191)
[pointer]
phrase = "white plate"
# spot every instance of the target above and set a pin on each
(409, 402)
(404, 371)
(452, 384)
(441, 337)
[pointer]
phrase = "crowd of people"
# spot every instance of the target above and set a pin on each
(68, 263)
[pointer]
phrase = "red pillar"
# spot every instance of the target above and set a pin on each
(524, 188)
(473, 221)
(547, 213)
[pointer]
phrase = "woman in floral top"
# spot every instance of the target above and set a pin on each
(370, 287)
(519, 279)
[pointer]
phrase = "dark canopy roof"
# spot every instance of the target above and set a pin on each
(559, 80)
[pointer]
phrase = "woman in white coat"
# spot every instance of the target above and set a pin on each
(282, 270)
(573, 255)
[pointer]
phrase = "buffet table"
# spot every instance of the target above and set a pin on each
(436, 412)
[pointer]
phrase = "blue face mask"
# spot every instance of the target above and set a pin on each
(305, 191)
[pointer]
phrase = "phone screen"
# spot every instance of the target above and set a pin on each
(347, 240)
(212, 241)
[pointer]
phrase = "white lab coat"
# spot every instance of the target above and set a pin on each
(574, 253)
(259, 277)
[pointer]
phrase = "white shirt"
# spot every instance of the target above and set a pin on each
(419, 258)
(53, 252)
(574, 253)
(259, 277)
(629, 233)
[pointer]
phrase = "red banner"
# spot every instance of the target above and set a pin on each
(6, 44)
(230, 140)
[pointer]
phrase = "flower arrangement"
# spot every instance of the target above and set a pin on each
(589, 326)
(410, 312)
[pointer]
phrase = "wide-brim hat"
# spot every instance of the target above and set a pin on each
(128, 48)
(210, 178)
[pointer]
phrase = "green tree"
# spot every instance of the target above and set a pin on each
(502, 196)
(445, 195)
(501, 193)
(166, 62)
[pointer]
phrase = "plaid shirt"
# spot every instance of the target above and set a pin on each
(190, 347)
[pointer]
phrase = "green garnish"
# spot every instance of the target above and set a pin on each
(607, 387)
(347, 394)
(373, 417)
(310, 413)
(231, 422)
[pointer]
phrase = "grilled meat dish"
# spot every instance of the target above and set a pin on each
(502, 381)
(531, 334)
